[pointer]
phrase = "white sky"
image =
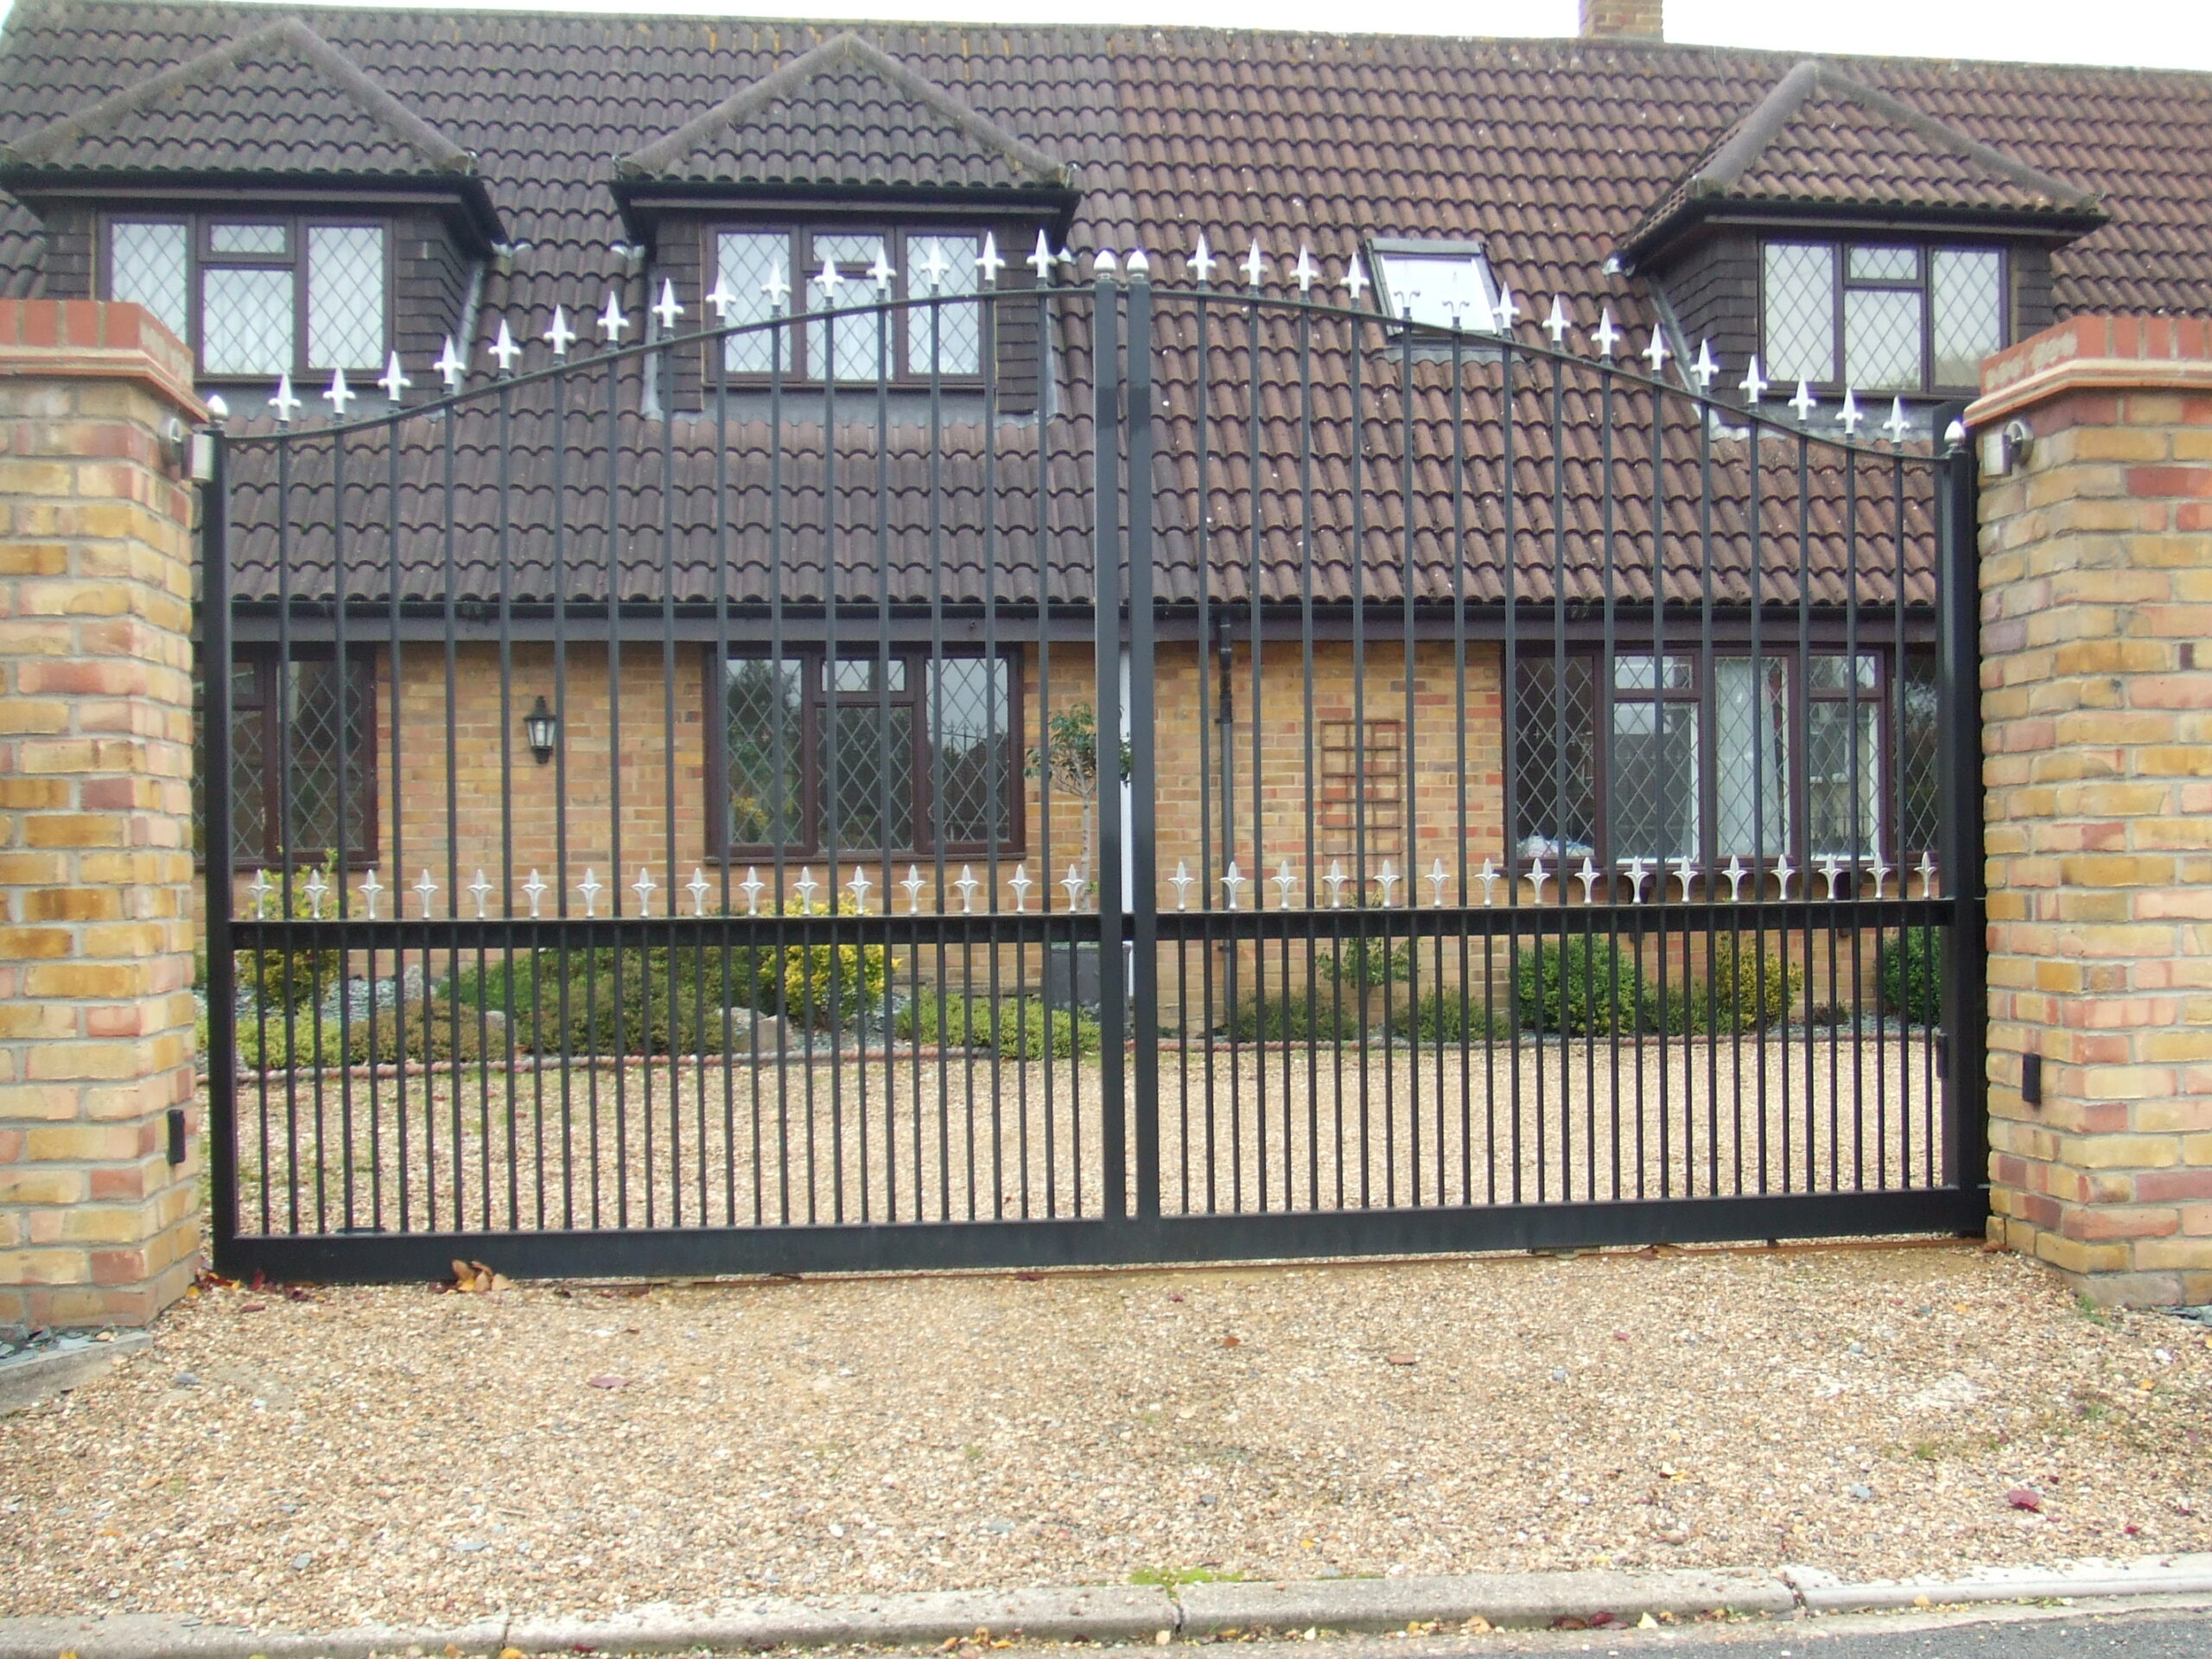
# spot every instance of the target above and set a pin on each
(2168, 34)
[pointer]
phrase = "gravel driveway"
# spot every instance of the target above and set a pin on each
(401, 1453)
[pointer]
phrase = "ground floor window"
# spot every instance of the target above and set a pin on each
(1727, 756)
(872, 751)
(302, 743)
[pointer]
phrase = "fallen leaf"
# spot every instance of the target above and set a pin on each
(1028, 1278)
(1398, 1359)
(608, 1381)
(2025, 1497)
(1647, 1623)
(511, 1653)
(1231, 1341)
(1476, 1626)
(253, 1307)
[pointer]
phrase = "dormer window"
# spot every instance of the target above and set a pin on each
(1439, 285)
(261, 295)
(944, 339)
(1880, 316)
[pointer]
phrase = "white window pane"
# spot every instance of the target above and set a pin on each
(1881, 338)
(1843, 793)
(1751, 740)
(857, 337)
(245, 239)
(1800, 311)
(245, 321)
(1438, 290)
(345, 296)
(1969, 299)
(147, 265)
(747, 261)
(949, 336)
(1884, 265)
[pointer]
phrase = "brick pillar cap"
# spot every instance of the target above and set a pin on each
(97, 340)
(2102, 353)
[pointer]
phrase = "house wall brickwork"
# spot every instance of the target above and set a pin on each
(2096, 675)
(97, 1225)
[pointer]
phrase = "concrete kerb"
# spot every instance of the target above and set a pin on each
(1138, 1613)
(37, 1375)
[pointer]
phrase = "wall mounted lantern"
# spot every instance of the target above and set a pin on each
(540, 727)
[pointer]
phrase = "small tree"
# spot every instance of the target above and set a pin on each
(1070, 760)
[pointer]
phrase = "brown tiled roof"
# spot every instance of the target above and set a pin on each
(278, 99)
(844, 114)
(1822, 138)
(1548, 151)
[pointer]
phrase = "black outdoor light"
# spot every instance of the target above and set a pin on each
(539, 725)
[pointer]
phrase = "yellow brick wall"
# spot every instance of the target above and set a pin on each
(2096, 682)
(97, 1226)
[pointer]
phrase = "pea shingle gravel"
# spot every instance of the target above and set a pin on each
(399, 1454)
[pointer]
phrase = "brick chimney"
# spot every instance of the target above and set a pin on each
(1624, 20)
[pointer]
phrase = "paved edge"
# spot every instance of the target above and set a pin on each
(34, 1377)
(1127, 1613)
(1504, 1598)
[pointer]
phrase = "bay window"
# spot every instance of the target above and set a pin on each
(907, 345)
(1895, 317)
(256, 297)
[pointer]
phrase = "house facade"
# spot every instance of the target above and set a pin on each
(809, 597)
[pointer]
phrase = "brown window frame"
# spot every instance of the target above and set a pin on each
(199, 243)
(1590, 707)
(815, 696)
(802, 266)
(263, 849)
(1841, 248)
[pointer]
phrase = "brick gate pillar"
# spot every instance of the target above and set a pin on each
(2096, 676)
(99, 1189)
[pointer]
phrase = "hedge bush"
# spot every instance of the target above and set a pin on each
(1450, 1016)
(1314, 1014)
(1909, 968)
(1369, 962)
(276, 980)
(1585, 988)
(1743, 991)
(430, 1033)
(1018, 1027)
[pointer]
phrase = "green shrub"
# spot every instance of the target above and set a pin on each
(1909, 968)
(276, 980)
(273, 1042)
(1314, 1015)
(1367, 962)
(671, 1001)
(1743, 991)
(1449, 1016)
(1016, 1027)
(1585, 988)
(433, 1031)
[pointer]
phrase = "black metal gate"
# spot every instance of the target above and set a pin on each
(1085, 773)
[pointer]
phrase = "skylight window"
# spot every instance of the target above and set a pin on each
(1440, 285)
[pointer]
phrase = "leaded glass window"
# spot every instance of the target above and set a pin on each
(1555, 807)
(871, 753)
(302, 758)
(150, 265)
(346, 285)
(257, 298)
(907, 342)
(1966, 291)
(1800, 311)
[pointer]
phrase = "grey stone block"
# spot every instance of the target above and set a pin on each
(38, 1374)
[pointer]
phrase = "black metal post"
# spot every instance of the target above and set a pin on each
(221, 1128)
(1106, 552)
(1965, 995)
(1144, 875)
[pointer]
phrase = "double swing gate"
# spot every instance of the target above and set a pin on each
(1082, 773)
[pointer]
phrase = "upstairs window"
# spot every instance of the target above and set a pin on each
(1880, 316)
(908, 346)
(1439, 285)
(257, 297)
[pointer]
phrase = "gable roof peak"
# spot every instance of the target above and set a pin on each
(1821, 138)
(106, 134)
(939, 118)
